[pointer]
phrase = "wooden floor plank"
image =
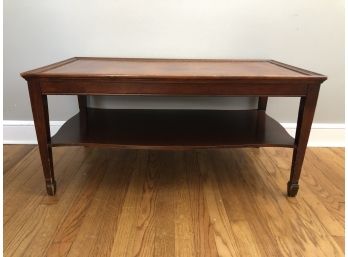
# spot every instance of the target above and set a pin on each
(265, 201)
(305, 214)
(164, 226)
(318, 190)
(40, 205)
(143, 232)
(15, 154)
(225, 238)
(184, 232)
(329, 163)
(22, 199)
(204, 203)
(70, 225)
(70, 181)
(340, 241)
(203, 231)
(124, 235)
(238, 209)
(118, 187)
(97, 226)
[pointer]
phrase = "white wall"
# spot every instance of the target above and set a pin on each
(309, 34)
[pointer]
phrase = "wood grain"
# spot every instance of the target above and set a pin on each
(142, 68)
(202, 203)
(15, 155)
(172, 129)
(125, 76)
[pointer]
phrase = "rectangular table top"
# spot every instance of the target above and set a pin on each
(87, 67)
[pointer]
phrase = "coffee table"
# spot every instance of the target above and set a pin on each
(172, 129)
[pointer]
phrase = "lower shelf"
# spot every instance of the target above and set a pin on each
(172, 129)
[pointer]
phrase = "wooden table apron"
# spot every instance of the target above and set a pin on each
(40, 87)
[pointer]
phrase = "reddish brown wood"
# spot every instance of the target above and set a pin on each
(174, 129)
(82, 99)
(262, 103)
(40, 114)
(290, 67)
(304, 123)
(105, 76)
(193, 129)
(168, 87)
(88, 67)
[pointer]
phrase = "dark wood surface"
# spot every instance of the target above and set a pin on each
(173, 129)
(85, 76)
(39, 108)
(122, 76)
(171, 68)
(304, 123)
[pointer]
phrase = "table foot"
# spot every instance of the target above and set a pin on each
(292, 189)
(51, 187)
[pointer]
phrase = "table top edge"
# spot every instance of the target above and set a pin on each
(39, 72)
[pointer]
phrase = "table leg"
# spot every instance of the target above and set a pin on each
(82, 99)
(82, 104)
(262, 103)
(41, 119)
(304, 123)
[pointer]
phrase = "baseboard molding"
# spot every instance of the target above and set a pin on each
(23, 131)
(322, 134)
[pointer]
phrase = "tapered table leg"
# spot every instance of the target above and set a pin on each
(82, 99)
(304, 123)
(262, 104)
(261, 107)
(41, 119)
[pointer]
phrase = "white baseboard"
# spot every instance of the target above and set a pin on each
(322, 134)
(23, 131)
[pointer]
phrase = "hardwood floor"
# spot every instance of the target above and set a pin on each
(150, 203)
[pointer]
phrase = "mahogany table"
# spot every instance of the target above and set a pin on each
(172, 129)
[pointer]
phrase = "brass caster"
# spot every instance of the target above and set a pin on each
(51, 188)
(292, 189)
